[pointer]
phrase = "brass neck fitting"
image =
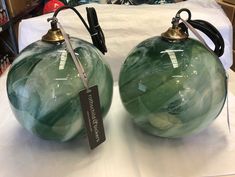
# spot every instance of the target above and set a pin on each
(175, 33)
(54, 35)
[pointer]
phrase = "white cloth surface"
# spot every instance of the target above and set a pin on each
(126, 26)
(127, 152)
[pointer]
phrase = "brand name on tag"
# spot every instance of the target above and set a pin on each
(93, 118)
(92, 115)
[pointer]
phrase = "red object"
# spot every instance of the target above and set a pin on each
(51, 6)
(3, 17)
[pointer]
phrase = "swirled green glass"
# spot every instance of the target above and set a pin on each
(172, 89)
(43, 87)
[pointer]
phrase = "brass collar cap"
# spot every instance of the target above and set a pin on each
(174, 34)
(53, 36)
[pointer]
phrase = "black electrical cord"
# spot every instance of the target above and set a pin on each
(75, 10)
(96, 32)
(94, 28)
(205, 27)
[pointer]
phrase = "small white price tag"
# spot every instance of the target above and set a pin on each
(173, 57)
(63, 59)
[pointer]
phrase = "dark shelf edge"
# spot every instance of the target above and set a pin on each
(4, 26)
(24, 14)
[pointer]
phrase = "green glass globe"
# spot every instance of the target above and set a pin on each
(43, 87)
(172, 89)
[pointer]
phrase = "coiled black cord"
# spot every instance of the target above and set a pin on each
(96, 32)
(207, 28)
(94, 28)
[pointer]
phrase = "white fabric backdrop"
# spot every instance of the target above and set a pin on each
(126, 26)
(127, 152)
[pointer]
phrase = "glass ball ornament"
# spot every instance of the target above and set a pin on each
(172, 88)
(43, 87)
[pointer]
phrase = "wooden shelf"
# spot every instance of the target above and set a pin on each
(24, 14)
(15, 11)
(230, 1)
(10, 42)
